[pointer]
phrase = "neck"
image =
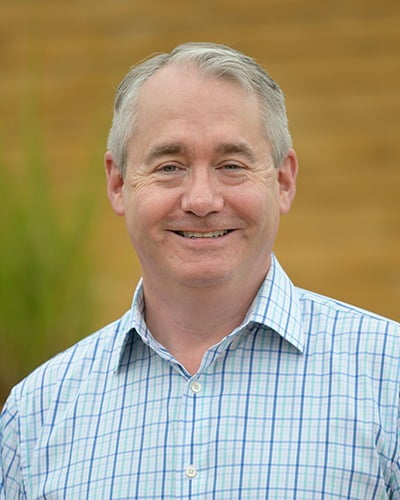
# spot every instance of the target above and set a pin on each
(189, 320)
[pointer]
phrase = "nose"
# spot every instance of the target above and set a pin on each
(202, 195)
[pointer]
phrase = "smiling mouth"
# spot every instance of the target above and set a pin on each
(197, 234)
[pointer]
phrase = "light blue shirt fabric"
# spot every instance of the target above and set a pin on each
(300, 402)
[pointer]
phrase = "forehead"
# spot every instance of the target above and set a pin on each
(187, 79)
(175, 91)
(181, 106)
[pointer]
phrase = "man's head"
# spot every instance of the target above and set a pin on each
(201, 189)
(212, 60)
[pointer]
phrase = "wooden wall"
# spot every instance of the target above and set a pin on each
(339, 65)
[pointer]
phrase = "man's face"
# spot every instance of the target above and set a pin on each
(201, 195)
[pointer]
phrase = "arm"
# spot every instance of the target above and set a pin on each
(11, 482)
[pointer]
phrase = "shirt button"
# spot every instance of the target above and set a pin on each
(190, 471)
(196, 387)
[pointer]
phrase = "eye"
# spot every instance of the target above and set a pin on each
(231, 166)
(167, 169)
(232, 172)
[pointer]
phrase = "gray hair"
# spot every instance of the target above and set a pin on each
(212, 60)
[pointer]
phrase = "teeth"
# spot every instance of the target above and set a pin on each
(210, 234)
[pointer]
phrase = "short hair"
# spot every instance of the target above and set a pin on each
(212, 60)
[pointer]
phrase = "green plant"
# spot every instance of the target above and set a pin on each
(45, 303)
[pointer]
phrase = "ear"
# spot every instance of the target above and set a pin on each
(287, 174)
(115, 184)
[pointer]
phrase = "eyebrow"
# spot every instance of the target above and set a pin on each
(167, 149)
(174, 148)
(236, 148)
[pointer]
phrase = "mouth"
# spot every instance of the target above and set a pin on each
(199, 234)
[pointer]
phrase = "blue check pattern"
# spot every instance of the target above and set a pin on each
(300, 402)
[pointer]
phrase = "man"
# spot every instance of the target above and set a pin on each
(223, 381)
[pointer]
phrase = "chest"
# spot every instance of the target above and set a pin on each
(257, 426)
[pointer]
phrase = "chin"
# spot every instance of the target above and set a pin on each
(205, 279)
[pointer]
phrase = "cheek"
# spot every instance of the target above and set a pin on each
(262, 218)
(145, 212)
(140, 216)
(256, 203)
(135, 213)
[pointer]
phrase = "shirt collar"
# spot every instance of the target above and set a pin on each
(276, 306)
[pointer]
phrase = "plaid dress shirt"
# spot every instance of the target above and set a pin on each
(299, 402)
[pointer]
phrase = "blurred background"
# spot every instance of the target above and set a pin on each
(66, 265)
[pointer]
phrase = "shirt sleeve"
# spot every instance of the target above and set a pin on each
(395, 480)
(11, 481)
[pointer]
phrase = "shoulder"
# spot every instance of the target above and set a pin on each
(353, 345)
(57, 381)
(44, 398)
(348, 324)
(320, 304)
